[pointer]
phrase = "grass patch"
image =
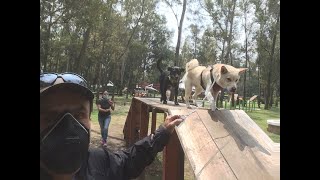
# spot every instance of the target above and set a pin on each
(261, 116)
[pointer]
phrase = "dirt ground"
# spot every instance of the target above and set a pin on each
(115, 138)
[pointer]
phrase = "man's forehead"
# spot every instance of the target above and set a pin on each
(52, 107)
(63, 100)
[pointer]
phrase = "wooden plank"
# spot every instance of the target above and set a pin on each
(217, 168)
(173, 159)
(155, 103)
(253, 98)
(200, 148)
(154, 120)
(129, 127)
(135, 121)
(243, 144)
(225, 144)
(144, 120)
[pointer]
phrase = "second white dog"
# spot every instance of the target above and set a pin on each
(212, 79)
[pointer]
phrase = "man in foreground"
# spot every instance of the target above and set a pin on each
(65, 108)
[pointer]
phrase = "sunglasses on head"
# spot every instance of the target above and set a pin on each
(48, 79)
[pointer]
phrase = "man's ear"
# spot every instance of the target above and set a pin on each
(223, 70)
(242, 70)
(169, 68)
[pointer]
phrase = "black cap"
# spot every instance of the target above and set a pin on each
(67, 86)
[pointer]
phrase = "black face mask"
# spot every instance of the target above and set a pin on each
(64, 145)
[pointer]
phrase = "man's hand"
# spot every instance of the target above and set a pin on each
(172, 121)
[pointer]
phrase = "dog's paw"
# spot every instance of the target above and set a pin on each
(176, 103)
(164, 102)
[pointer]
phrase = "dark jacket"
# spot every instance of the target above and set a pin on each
(121, 165)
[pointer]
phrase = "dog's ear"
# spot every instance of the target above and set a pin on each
(223, 70)
(169, 68)
(242, 70)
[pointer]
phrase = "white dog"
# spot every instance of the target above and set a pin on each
(211, 79)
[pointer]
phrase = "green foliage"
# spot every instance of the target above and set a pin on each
(126, 38)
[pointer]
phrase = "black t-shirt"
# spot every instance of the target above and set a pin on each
(104, 103)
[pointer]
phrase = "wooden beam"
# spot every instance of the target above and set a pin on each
(144, 120)
(173, 159)
(129, 127)
(204, 156)
(134, 121)
(154, 120)
(225, 144)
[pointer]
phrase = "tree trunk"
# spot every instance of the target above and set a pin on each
(259, 86)
(271, 63)
(228, 54)
(232, 99)
(179, 33)
(246, 51)
(222, 52)
(127, 46)
(222, 56)
(46, 46)
(271, 99)
(86, 37)
(97, 78)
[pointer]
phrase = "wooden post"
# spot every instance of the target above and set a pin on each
(134, 121)
(144, 121)
(131, 125)
(154, 120)
(173, 159)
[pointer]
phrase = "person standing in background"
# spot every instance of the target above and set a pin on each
(104, 105)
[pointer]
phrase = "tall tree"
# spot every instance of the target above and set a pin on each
(194, 28)
(207, 49)
(268, 16)
(247, 26)
(171, 4)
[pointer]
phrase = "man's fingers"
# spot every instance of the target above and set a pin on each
(174, 117)
(176, 122)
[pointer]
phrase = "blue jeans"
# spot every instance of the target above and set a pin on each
(104, 125)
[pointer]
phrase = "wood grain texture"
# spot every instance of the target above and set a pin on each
(225, 144)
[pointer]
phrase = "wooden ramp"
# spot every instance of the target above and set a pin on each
(225, 144)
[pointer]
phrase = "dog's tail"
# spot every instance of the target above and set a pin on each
(158, 64)
(192, 64)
